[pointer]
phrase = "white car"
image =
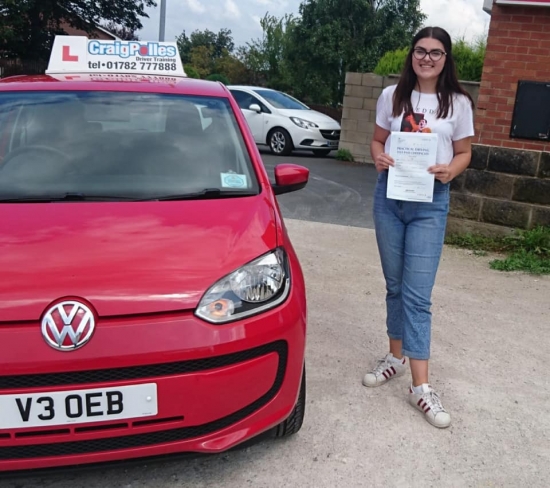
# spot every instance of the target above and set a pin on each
(283, 123)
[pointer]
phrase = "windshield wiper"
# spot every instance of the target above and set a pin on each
(67, 197)
(208, 193)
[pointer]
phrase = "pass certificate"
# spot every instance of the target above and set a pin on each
(413, 154)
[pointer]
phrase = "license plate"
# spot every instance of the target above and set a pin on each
(78, 406)
(332, 143)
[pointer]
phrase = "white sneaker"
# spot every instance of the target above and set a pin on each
(429, 403)
(386, 369)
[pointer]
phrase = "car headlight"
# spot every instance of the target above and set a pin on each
(304, 124)
(256, 287)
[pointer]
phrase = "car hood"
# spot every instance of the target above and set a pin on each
(125, 257)
(324, 121)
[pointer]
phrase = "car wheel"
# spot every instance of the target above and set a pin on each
(294, 422)
(321, 153)
(280, 142)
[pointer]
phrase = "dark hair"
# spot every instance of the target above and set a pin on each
(447, 84)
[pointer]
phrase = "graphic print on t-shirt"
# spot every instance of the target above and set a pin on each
(415, 122)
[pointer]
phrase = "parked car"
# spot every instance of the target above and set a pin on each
(151, 300)
(283, 123)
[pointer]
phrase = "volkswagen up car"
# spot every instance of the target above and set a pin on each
(283, 123)
(151, 300)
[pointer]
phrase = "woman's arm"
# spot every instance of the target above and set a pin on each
(462, 157)
(382, 161)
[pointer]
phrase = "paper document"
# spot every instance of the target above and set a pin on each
(413, 154)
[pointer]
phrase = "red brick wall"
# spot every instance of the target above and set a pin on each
(518, 47)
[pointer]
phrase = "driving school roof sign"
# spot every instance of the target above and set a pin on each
(78, 54)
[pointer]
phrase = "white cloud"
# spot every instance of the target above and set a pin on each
(231, 10)
(461, 18)
(196, 6)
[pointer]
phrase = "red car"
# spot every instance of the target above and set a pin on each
(151, 301)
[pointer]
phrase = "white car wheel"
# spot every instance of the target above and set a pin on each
(280, 142)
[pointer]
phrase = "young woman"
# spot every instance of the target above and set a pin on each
(410, 235)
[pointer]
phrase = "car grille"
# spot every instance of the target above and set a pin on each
(331, 135)
(133, 372)
(160, 436)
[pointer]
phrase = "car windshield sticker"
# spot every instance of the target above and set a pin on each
(233, 180)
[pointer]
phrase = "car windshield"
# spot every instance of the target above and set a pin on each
(281, 100)
(115, 145)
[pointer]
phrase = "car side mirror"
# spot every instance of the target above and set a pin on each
(289, 178)
(255, 108)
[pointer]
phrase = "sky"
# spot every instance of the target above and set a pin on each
(461, 18)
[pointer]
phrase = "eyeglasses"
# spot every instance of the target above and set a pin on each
(434, 55)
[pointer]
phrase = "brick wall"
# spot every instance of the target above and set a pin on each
(518, 48)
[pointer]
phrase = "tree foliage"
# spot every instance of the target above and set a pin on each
(310, 55)
(121, 32)
(27, 27)
(216, 43)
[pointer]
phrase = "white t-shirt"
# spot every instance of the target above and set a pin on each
(456, 126)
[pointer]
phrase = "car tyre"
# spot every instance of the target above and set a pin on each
(321, 153)
(296, 418)
(280, 142)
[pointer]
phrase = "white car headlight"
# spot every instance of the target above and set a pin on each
(256, 287)
(304, 124)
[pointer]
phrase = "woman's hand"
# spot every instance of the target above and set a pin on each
(442, 172)
(383, 162)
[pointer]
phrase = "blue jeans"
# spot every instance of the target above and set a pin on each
(410, 238)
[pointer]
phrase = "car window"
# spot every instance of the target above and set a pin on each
(244, 100)
(120, 144)
(281, 100)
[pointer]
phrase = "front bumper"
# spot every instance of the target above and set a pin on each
(316, 138)
(217, 386)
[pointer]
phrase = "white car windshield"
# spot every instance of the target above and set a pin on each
(281, 100)
(113, 145)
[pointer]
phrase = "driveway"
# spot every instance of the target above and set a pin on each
(337, 193)
(490, 342)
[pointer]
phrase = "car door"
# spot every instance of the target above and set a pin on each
(256, 121)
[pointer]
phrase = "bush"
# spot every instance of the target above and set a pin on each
(344, 155)
(392, 62)
(216, 77)
(469, 60)
(191, 72)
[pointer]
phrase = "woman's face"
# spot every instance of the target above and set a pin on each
(430, 67)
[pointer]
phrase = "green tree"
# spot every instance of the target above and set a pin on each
(333, 37)
(121, 32)
(27, 27)
(217, 43)
(232, 68)
(202, 60)
(218, 77)
(268, 56)
(191, 72)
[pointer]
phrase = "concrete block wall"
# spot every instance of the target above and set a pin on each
(359, 112)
